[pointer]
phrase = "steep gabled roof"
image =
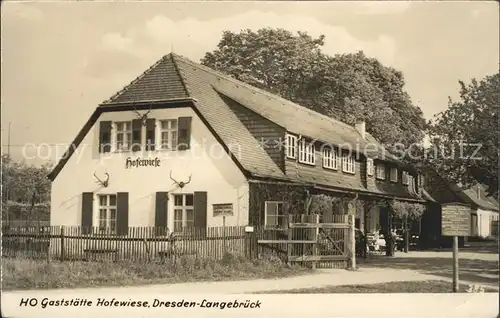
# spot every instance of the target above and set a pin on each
(161, 81)
(175, 78)
(470, 195)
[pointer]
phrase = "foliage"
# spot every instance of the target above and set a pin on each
(24, 183)
(401, 209)
(466, 135)
(24, 187)
(23, 211)
(349, 87)
(31, 274)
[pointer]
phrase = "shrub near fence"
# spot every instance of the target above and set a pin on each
(140, 244)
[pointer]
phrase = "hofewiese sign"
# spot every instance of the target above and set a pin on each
(138, 162)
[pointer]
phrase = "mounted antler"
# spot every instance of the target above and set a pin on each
(181, 184)
(144, 116)
(101, 182)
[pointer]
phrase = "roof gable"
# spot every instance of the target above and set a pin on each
(161, 81)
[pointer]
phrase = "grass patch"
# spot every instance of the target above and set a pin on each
(428, 286)
(24, 274)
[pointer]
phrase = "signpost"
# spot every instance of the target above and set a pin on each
(223, 209)
(455, 221)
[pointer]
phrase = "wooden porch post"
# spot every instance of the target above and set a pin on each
(366, 210)
(352, 233)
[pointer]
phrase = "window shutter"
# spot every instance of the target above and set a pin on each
(136, 134)
(122, 213)
(104, 136)
(87, 212)
(200, 209)
(161, 213)
(184, 133)
(150, 134)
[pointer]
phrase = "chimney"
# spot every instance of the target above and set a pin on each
(361, 128)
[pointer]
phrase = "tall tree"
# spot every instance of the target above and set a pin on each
(24, 183)
(348, 87)
(465, 136)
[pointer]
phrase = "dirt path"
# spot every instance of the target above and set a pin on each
(321, 278)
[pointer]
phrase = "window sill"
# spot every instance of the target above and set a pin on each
(330, 169)
(349, 172)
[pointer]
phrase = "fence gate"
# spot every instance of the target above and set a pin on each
(321, 242)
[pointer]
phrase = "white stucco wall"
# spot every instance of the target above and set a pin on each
(482, 228)
(211, 168)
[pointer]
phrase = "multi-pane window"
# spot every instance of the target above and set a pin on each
(404, 177)
(275, 217)
(291, 146)
(394, 175)
(330, 158)
(348, 163)
(183, 212)
(168, 134)
(369, 166)
(123, 135)
(306, 152)
(380, 171)
(107, 213)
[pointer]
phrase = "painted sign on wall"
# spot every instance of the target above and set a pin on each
(455, 220)
(138, 162)
(223, 209)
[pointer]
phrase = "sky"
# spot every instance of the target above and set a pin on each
(61, 59)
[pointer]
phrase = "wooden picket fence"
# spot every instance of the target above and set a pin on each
(140, 244)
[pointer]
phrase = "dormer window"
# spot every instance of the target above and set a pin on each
(405, 178)
(123, 135)
(348, 163)
(330, 158)
(380, 171)
(369, 167)
(168, 134)
(394, 175)
(291, 146)
(306, 152)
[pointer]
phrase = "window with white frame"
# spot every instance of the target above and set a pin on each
(404, 177)
(183, 212)
(291, 146)
(107, 213)
(330, 158)
(123, 135)
(380, 172)
(168, 134)
(348, 163)
(306, 152)
(369, 166)
(394, 175)
(274, 215)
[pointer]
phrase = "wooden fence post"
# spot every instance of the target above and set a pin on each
(316, 238)
(290, 237)
(62, 243)
(352, 235)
